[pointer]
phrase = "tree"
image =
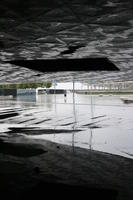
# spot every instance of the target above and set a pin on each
(25, 85)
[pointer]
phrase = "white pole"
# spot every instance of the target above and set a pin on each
(74, 114)
(55, 95)
(92, 115)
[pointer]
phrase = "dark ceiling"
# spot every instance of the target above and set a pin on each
(53, 29)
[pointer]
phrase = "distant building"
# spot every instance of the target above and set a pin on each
(8, 92)
(26, 91)
(49, 91)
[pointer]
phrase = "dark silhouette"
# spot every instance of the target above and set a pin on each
(62, 65)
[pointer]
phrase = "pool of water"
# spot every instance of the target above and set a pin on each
(102, 123)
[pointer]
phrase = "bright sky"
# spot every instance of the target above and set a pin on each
(69, 85)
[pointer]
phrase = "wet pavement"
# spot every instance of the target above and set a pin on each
(100, 123)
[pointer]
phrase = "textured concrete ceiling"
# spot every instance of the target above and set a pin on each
(49, 29)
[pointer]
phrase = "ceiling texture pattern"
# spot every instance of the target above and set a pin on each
(66, 29)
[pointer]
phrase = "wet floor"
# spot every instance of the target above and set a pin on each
(102, 123)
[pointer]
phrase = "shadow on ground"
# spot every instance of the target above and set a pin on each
(44, 190)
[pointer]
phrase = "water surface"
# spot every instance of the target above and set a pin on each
(102, 123)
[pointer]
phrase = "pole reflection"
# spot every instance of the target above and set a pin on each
(74, 116)
(92, 118)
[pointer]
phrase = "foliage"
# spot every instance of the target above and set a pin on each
(25, 85)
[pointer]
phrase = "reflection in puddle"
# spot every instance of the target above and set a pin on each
(109, 129)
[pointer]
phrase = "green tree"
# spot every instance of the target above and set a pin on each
(25, 85)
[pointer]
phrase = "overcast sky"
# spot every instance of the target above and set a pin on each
(69, 85)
